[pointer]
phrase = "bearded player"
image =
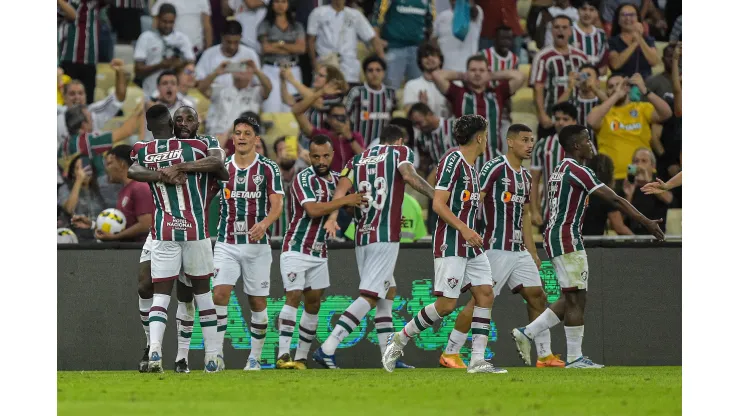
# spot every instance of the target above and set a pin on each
(507, 239)
(459, 260)
(177, 173)
(380, 173)
(304, 263)
(569, 189)
(251, 201)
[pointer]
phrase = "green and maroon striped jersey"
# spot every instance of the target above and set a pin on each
(497, 62)
(80, 40)
(546, 156)
(568, 191)
(317, 116)
(305, 234)
(506, 191)
(94, 145)
(584, 107)
(374, 172)
(245, 199)
(594, 45)
(370, 110)
(439, 141)
(280, 227)
(179, 210)
(460, 179)
(552, 69)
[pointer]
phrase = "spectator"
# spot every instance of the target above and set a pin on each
(100, 111)
(370, 106)
(403, 25)
(652, 205)
(283, 40)
(345, 142)
(550, 70)
(186, 80)
(79, 40)
(497, 14)
(125, 19)
(244, 95)
(332, 33)
(609, 9)
(662, 83)
(193, 19)
(434, 134)
(213, 70)
(167, 93)
(623, 126)
(65, 13)
(546, 155)
(249, 13)
(429, 59)
(134, 200)
(544, 36)
(591, 40)
(457, 52)
(676, 31)
(501, 58)
(289, 165)
(630, 51)
(666, 137)
(478, 96)
(161, 49)
(62, 80)
(80, 195)
(599, 211)
(583, 92)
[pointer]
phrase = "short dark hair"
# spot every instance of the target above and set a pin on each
(596, 4)
(569, 134)
(476, 57)
(249, 121)
(420, 108)
(566, 108)
(122, 152)
(157, 113)
(373, 58)
(503, 28)
(320, 139)
(391, 133)
(515, 129)
(466, 127)
(275, 144)
(232, 27)
(589, 66)
(167, 8)
(562, 16)
(74, 117)
(165, 73)
(603, 166)
(405, 124)
(429, 49)
(335, 105)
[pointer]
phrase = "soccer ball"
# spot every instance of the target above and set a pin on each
(111, 221)
(66, 236)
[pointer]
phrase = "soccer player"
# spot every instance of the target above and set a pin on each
(177, 173)
(569, 188)
(507, 239)
(380, 172)
(303, 263)
(251, 201)
(459, 261)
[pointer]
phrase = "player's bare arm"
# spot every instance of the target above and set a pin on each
(417, 182)
(608, 195)
(141, 174)
(442, 79)
(439, 205)
(213, 163)
(536, 216)
(330, 225)
(660, 186)
(320, 209)
(143, 223)
(515, 77)
(276, 208)
(527, 231)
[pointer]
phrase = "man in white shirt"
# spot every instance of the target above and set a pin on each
(193, 19)
(168, 94)
(249, 13)
(333, 32)
(164, 48)
(243, 95)
(423, 89)
(212, 70)
(100, 111)
(456, 53)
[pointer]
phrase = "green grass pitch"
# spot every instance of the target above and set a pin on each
(524, 391)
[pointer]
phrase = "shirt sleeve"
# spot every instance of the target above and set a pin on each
(448, 173)
(405, 155)
(100, 143)
(300, 31)
(201, 68)
(141, 47)
(187, 49)
(352, 102)
(313, 22)
(488, 176)
(106, 108)
(538, 155)
(454, 95)
(364, 29)
(585, 178)
(155, 8)
(135, 153)
(205, 7)
(62, 194)
(274, 180)
(262, 30)
(348, 169)
(539, 72)
(503, 91)
(302, 190)
(143, 201)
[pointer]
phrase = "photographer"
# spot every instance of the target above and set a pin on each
(640, 173)
(161, 50)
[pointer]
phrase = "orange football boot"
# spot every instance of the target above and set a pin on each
(550, 361)
(451, 361)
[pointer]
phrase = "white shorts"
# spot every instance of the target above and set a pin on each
(146, 255)
(454, 275)
(193, 258)
(251, 262)
(515, 268)
(376, 263)
(572, 270)
(303, 272)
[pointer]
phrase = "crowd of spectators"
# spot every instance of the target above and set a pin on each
(347, 69)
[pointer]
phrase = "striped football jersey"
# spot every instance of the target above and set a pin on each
(370, 110)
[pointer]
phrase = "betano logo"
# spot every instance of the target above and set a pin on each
(507, 197)
(163, 157)
(229, 194)
(468, 196)
(616, 126)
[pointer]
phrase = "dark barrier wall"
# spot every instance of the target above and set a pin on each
(633, 316)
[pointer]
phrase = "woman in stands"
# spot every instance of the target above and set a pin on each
(80, 195)
(631, 50)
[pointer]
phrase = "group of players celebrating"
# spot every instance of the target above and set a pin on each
(482, 240)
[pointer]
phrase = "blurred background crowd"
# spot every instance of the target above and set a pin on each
(349, 68)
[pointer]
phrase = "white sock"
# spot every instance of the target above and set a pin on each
(384, 322)
(574, 338)
(346, 324)
(157, 322)
(546, 320)
(426, 317)
(222, 324)
(306, 334)
(144, 306)
(456, 341)
(481, 328)
(258, 328)
(542, 343)
(208, 323)
(286, 327)
(184, 317)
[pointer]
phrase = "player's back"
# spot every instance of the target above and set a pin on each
(375, 173)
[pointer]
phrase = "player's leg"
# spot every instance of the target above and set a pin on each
(166, 264)
(255, 265)
(226, 272)
(185, 316)
(450, 358)
(317, 280)
(198, 268)
(292, 270)
(146, 291)
(384, 323)
(478, 274)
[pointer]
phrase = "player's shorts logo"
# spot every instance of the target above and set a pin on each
(584, 275)
(215, 273)
(443, 247)
(386, 285)
(291, 243)
(146, 252)
(452, 282)
(265, 285)
(257, 179)
(291, 277)
(240, 227)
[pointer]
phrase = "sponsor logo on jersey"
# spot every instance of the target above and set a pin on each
(452, 282)
(375, 116)
(229, 194)
(372, 160)
(163, 157)
(616, 126)
(556, 177)
(179, 224)
(367, 229)
(469, 196)
(507, 197)
(257, 179)
(240, 228)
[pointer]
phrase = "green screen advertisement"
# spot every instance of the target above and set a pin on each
(433, 339)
